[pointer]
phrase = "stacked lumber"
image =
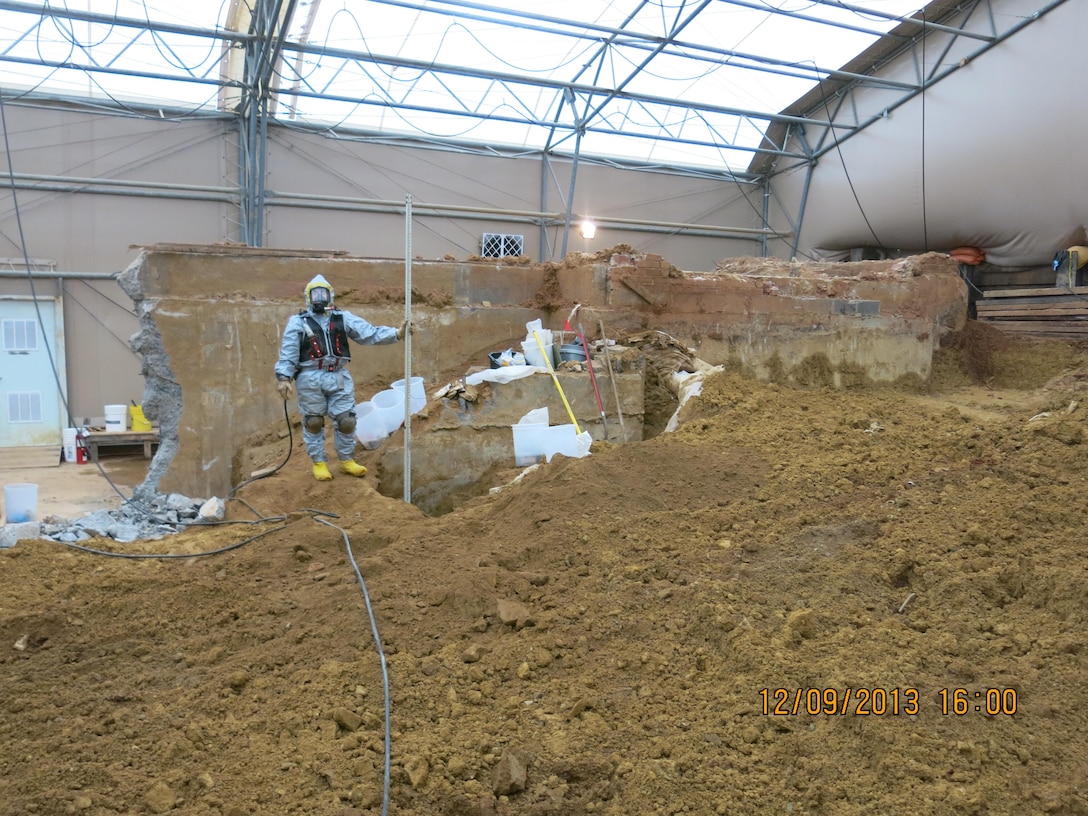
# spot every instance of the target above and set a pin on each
(1054, 311)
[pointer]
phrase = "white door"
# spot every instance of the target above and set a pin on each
(30, 405)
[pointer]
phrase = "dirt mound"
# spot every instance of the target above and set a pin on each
(664, 627)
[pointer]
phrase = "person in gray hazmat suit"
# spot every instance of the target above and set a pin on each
(313, 356)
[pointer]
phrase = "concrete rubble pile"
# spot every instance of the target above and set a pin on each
(151, 520)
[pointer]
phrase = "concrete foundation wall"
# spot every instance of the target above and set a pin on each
(212, 317)
(876, 320)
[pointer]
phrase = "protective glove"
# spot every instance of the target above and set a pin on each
(286, 389)
(405, 328)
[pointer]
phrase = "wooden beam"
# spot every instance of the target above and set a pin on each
(1001, 303)
(640, 291)
(1050, 290)
(1055, 328)
(1042, 311)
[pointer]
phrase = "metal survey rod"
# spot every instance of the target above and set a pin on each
(408, 348)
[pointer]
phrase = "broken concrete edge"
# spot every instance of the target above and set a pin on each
(162, 396)
(132, 521)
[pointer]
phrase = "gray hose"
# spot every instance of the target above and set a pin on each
(381, 658)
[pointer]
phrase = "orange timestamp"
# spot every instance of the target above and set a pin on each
(879, 702)
(864, 702)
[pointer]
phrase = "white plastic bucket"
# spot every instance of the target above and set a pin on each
(560, 439)
(418, 396)
(530, 441)
(369, 426)
(533, 356)
(116, 417)
(69, 437)
(20, 502)
(390, 407)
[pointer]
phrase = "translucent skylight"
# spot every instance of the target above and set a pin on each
(675, 83)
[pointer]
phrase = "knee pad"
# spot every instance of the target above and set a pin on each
(345, 422)
(314, 423)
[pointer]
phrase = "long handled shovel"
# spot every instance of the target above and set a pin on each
(612, 377)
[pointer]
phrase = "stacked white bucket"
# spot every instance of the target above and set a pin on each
(383, 413)
(534, 355)
(69, 437)
(116, 418)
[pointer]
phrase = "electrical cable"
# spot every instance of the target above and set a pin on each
(353, 181)
(874, 17)
(33, 88)
(198, 114)
(842, 160)
(33, 289)
(184, 116)
(99, 321)
(106, 297)
(290, 449)
(961, 269)
(156, 38)
(38, 43)
(381, 658)
(145, 556)
(67, 35)
(116, 10)
(573, 57)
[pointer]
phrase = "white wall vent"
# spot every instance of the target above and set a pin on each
(24, 407)
(20, 336)
(499, 245)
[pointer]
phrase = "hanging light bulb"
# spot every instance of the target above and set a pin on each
(589, 229)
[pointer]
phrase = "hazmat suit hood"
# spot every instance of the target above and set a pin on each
(319, 294)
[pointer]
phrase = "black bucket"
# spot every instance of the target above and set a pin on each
(572, 352)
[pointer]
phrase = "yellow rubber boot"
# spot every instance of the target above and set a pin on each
(352, 468)
(321, 472)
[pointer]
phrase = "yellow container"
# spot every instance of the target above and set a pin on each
(139, 421)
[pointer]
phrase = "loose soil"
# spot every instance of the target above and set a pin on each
(608, 635)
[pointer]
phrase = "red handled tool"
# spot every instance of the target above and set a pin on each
(593, 379)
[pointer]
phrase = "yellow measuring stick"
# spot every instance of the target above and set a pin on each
(555, 379)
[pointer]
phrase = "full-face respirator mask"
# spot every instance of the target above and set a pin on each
(320, 299)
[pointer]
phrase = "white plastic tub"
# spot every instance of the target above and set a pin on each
(390, 407)
(369, 426)
(20, 503)
(417, 397)
(530, 439)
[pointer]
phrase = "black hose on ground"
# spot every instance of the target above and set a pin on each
(381, 657)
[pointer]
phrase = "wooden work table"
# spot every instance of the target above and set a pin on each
(96, 439)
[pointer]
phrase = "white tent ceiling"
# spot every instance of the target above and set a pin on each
(752, 90)
(669, 82)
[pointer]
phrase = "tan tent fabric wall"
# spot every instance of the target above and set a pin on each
(994, 156)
